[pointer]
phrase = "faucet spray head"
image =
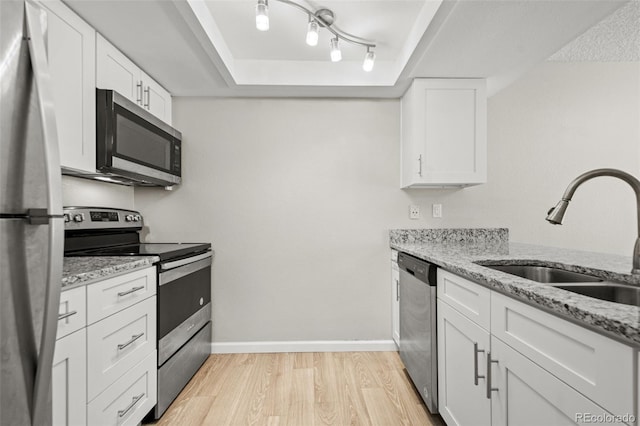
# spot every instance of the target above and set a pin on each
(555, 214)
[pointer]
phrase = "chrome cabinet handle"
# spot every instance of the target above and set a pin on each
(133, 339)
(489, 362)
(147, 104)
(133, 290)
(420, 165)
(134, 401)
(397, 290)
(66, 315)
(476, 376)
(139, 92)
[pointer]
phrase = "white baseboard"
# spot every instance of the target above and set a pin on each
(304, 346)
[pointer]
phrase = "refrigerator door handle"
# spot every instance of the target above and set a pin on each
(41, 407)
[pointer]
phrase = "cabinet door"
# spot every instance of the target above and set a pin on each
(395, 302)
(444, 133)
(71, 54)
(462, 349)
(69, 380)
(116, 71)
(156, 99)
(526, 394)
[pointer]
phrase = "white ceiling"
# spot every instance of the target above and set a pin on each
(280, 56)
(212, 48)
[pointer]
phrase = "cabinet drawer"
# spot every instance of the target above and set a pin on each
(107, 297)
(129, 399)
(72, 314)
(470, 299)
(119, 342)
(595, 365)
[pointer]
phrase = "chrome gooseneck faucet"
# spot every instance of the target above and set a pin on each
(556, 213)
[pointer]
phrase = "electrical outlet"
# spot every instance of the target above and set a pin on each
(437, 210)
(414, 212)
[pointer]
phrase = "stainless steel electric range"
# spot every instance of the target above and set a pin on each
(183, 294)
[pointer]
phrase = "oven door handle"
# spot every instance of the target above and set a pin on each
(176, 273)
(176, 263)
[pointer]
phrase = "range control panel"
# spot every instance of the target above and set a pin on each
(85, 218)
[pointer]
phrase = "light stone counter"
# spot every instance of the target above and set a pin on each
(456, 250)
(82, 270)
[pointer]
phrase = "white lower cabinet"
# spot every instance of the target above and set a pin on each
(462, 350)
(69, 380)
(526, 394)
(395, 298)
(517, 365)
(105, 373)
(118, 343)
(129, 398)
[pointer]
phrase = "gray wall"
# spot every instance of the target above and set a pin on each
(297, 196)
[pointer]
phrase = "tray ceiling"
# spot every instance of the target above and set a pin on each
(212, 48)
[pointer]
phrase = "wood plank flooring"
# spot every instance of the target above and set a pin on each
(300, 389)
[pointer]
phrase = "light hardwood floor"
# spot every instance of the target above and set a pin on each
(300, 389)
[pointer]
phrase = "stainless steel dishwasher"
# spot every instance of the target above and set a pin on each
(418, 325)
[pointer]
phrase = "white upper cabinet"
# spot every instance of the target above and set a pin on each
(116, 71)
(444, 133)
(72, 54)
(156, 99)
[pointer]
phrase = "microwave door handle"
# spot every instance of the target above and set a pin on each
(40, 407)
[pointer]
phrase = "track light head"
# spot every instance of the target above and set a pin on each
(262, 15)
(369, 59)
(336, 54)
(312, 32)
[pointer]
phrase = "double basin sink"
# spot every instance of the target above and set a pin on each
(587, 285)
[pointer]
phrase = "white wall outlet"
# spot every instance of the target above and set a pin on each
(414, 212)
(437, 210)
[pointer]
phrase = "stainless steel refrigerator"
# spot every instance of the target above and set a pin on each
(31, 224)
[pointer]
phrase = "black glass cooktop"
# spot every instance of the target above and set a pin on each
(166, 251)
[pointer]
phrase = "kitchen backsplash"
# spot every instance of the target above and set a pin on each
(90, 193)
(485, 236)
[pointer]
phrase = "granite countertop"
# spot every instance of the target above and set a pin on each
(456, 250)
(81, 270)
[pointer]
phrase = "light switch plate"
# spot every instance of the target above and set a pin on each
(437, 210)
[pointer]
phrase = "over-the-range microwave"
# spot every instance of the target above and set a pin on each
(132, 145)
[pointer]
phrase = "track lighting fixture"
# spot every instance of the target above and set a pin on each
(320, 18)
(262, 15)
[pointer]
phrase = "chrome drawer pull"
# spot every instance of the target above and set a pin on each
(133, 290)
(489, 385)
(133, 339)
(134, 401)
(476, 376)
(67, 315)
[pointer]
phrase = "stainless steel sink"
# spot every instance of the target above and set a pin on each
(575, 282)
(544, 274)
(613, 292)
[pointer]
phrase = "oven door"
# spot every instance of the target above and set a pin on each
(184, 302)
